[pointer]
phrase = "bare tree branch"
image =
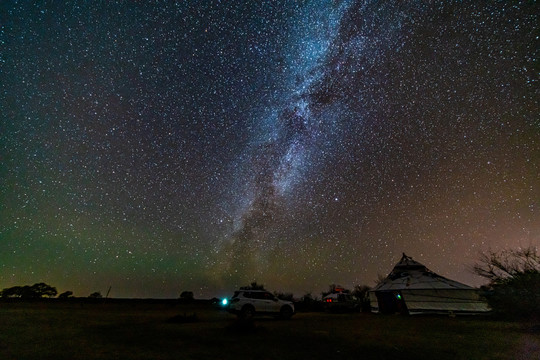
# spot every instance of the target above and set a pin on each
(507, 264)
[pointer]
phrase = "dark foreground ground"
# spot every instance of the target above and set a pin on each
(144, 330)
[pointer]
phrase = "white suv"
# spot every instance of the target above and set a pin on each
(247, 303)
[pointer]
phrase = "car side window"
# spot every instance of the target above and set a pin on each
(260, 295)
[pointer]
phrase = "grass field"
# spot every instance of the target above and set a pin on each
(142, 330)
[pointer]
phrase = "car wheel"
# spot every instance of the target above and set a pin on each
(286, 312)
(247, 312)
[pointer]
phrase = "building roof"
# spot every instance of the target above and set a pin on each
(410, 274)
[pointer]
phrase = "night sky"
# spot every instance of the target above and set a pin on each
(157, 147)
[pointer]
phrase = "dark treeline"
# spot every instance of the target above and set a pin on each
(36, 291)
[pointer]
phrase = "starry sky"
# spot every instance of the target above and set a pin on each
(156, 147)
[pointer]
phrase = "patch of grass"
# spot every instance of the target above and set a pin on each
(138, 330)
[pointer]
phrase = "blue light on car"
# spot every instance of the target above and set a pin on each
(224, 302)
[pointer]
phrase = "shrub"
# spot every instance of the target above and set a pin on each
(514, 287)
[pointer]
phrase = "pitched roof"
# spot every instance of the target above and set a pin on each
(410, 274)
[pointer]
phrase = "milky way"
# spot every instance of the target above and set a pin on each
(204, 145)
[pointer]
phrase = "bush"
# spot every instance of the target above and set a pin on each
(253, 286)
(66, 295)
(308, 304)
(284, 296)
(187, 296)
(361, 292)
(514, 287)
(95, 295)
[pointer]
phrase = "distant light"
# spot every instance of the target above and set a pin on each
(224, 302)
(398, 296)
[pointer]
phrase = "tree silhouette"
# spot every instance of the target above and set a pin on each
(309, 303)
(187, 296)
(253, 286)
(284, 296)
(14, 291)
(514, 281)
(65, 295)
(361, 293)
(95, 295)
(35, 291)
(42, 289)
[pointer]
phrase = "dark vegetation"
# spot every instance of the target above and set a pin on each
(39, 291)
(514, 282)
(309, 303)
(187, 296)
(35, 291)
(66, 295)
(253, 286)
(95, 295)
